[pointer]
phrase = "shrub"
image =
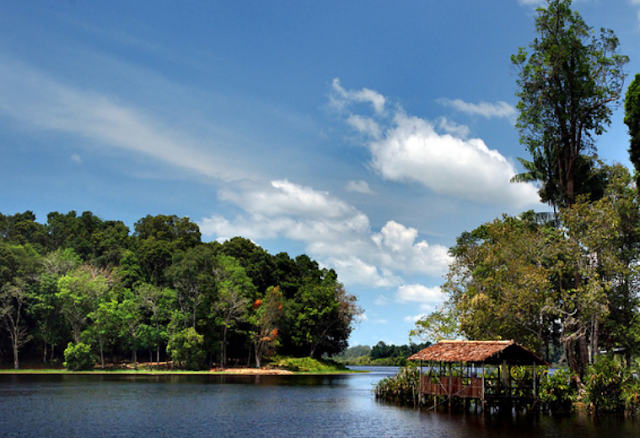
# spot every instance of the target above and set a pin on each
(187, 347)
(306, 364)
(78, 357)
(604, 385)
(557, 391)
(402, 388)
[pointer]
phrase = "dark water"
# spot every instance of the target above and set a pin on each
(246, 406)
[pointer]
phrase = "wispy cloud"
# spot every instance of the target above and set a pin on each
(636, 3)
(535, 3)
(406, 148)
(359, 187)
(103, 121)
(340, 96)
(484, 109)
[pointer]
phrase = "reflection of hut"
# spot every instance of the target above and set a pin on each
(480, 370)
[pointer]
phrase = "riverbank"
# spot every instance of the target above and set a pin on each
(280, 366)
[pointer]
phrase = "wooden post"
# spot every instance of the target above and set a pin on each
(482, 396)
(420, 395)
(450, 383)
(535, 392)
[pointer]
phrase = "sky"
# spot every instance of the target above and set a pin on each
(367, 134)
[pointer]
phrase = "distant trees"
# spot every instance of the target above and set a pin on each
(381, 354)
(92, 289)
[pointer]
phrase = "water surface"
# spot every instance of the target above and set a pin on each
(252, 406)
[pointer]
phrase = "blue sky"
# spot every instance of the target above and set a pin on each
(367, 134)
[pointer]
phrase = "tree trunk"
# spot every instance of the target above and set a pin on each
(257, 355)
(102, 353)
(16, 360)
(223, 362)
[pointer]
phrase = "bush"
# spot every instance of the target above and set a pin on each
(306, 364)
(557, 391)
(78, 357)
(605, 383)
(403, 388)
(187, 348)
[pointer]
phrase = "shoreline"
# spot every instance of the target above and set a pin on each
(146, 372)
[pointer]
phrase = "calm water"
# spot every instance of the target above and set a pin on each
(245, 406)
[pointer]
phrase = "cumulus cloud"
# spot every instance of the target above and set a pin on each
(419, 294)
(358, 187)
(484, 109)
(333, 231)
(410, 149)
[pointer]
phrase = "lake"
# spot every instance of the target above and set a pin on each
(253, 406)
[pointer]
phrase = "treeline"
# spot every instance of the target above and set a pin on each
(79, 288)
(381, 354)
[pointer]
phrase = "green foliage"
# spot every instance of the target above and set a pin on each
(187, 347)
(78, 357)
(632, 120)
(89, 280)
(557, 391)
(306, 364)
(604, 385)
(403, 388)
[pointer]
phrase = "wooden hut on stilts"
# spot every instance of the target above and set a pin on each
(482, 372)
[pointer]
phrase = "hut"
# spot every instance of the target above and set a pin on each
(479, 370)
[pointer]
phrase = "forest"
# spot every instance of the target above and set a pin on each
(563, 283)
(81, 290)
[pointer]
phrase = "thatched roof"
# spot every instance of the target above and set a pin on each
(489, 352)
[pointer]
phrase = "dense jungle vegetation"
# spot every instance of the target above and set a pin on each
(79, 289)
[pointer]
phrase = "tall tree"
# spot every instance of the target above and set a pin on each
(193, 276)
(79, 292)
(264, 321)
(13, 298)
(234, 292)
(569, 85)
(632, 120)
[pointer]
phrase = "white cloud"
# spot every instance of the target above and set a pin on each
(453, 128)
(419, 294)
(413, 318)
(409, 149)
(484, 109)
(359, 187)
(76, 158)
(334, 232)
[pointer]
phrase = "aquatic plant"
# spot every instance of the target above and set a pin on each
(557, 391)
(402, 388)
(609, 385)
